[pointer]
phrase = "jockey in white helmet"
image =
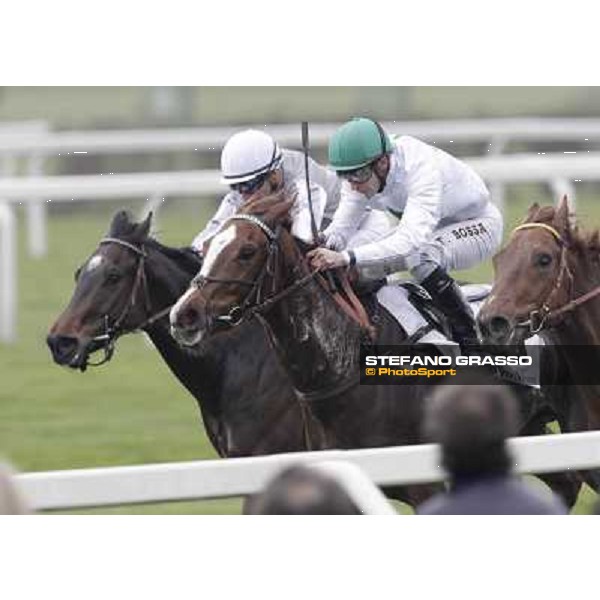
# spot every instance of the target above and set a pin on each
(447, 220)
(253, 165)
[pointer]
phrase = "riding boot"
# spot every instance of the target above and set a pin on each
(448, 297)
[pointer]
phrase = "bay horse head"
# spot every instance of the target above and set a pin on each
(111, 296)
(241, 270)
(534, 283)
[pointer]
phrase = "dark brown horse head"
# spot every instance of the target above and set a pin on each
(531, 276)
(105, 300)
(239, 266)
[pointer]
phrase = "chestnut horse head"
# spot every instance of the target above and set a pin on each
(546, 271)
(245, 266)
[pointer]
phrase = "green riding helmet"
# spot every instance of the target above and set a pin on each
(358, 143)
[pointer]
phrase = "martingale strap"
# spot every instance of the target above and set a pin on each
(355, 308)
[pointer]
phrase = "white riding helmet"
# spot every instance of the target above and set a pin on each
(248, 154)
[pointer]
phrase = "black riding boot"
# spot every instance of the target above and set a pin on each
(448, 297)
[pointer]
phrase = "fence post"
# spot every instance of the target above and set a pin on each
(8, 273)
(497, 188)
(37, 236)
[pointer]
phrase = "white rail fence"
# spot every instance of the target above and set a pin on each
(559, 169)
(38, 145)
(498, 132)
(242, 476)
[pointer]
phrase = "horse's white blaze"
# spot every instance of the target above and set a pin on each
(94, 262)
(217, 244)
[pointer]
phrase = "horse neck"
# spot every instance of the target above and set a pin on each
(241, 414)
(198, 373)
(318, 343)
(579, 327)
(167, 279)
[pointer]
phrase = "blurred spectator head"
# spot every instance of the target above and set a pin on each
(471, 421)
(301, 490)
(11, 500)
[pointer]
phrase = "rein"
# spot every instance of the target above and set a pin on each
(248, 308)
(538, 318)
(112, 332)
(237, 313)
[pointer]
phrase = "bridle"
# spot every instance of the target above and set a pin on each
(112, 332)
(540, 317)
(256, 300)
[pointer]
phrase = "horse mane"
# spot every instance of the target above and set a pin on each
(186, 257)
(124, 227)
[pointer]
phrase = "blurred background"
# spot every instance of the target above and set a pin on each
(132, 411)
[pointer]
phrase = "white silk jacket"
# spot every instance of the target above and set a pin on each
(325, 194)
(428, 187)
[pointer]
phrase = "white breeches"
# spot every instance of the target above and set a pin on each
(460, 245)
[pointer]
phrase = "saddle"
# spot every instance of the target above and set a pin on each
(360, 302)
(475, 293)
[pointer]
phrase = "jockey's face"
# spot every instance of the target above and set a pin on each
(375, 183)
(272, 183)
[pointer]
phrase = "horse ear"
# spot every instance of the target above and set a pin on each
(143, 229)
(563, 216)
(533, 209)
(120, 223)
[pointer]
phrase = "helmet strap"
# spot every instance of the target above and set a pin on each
(381, 135)
(382, 180)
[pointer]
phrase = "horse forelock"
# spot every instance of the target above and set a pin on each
(541, 214)
(273, 209)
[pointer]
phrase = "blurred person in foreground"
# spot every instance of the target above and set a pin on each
(253, 165)
(472, 422)
(446, 218)
(301, 490)
(12, 501)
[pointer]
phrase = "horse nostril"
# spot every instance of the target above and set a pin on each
(63, 347)
(188, 318)
(499, 325)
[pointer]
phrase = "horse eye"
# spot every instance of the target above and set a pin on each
(246, 252)
(113, 276)
(543, 260)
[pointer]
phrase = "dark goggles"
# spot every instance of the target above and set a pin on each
(360, 175)
(248, 187)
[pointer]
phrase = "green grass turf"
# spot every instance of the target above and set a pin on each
(131, 411)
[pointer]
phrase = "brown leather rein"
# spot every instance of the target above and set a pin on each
(255, 304)
(538, 318)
